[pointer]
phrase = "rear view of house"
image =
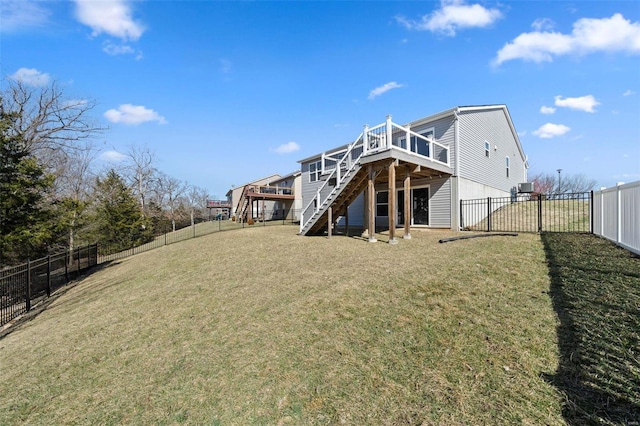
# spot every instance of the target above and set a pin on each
(413, 174)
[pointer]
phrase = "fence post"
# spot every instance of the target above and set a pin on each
(591, 224)
(461, 216)
(488, 214)
(48, 275)
(539, 212)
(618, 214)
(28, 295)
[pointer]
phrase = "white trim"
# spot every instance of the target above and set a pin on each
(424, 133)
(317, 172)
(398, 190)
(422, 186)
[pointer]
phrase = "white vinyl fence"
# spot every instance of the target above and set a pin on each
(616, 215)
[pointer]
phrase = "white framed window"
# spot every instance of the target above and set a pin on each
(421, 146)
(508, 165)
(418, 145)
(315, 169)
(382, 203)
(487, 148)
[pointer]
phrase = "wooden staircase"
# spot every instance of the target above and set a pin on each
(340, 198)
(345, 177)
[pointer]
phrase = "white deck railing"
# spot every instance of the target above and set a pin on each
(338, 163)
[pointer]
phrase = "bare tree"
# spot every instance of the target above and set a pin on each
(73, 187)
(549, 183)
(196, 200)
(172, 190)
(577, 183)
(48, 120)
(544, 183)
(142, 174)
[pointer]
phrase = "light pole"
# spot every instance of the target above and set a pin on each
(559, 171)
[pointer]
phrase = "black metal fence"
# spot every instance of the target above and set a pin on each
(22, 285)
(106, 254)
(529, 213)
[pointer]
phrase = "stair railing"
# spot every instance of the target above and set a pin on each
(349, 164)
(372, 139)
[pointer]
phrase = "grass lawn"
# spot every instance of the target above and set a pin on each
(596, 291)
(260, 326)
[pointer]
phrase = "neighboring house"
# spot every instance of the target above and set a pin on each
(270, 198)
(415, 174)
(287, 208)
(218, 209)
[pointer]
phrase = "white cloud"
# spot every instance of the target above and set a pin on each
(583, 103)
(547, 110)
(628, 93)
(112, 157)
(384, 88)
(452, 16)
(543, 24)
(113, 49)
(133, 114)
(18, 15)
(615, 34)
(287, 148)
(31, 77)
(75, 103)
(550, 130)
(113, 17)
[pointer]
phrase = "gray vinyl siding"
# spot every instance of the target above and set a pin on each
(439, 200)
(492, 126)
(309, 189)
(440, 203)
(444, 133)
(356, 212)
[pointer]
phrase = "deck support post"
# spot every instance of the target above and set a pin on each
(407, 204)
(392, 203)
(365, 213)
(329, 221)
(346, 221)
(371, 204)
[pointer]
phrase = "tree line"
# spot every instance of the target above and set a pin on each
(53, 197)
(549, 184)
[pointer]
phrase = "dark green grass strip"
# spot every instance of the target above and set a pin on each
(595, 287)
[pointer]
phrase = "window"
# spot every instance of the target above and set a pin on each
(418, 145)
(487, 149)
(382, 203)
(507, 163)
(314, 171)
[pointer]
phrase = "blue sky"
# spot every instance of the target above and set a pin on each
(227, 92)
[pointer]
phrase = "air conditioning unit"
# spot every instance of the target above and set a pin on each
(525, 187)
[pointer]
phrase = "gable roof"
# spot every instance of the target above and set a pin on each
(253, 182)
(446, 113)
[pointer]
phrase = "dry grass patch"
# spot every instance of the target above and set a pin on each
(262, 326)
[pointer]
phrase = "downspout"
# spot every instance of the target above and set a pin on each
(456, 169)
